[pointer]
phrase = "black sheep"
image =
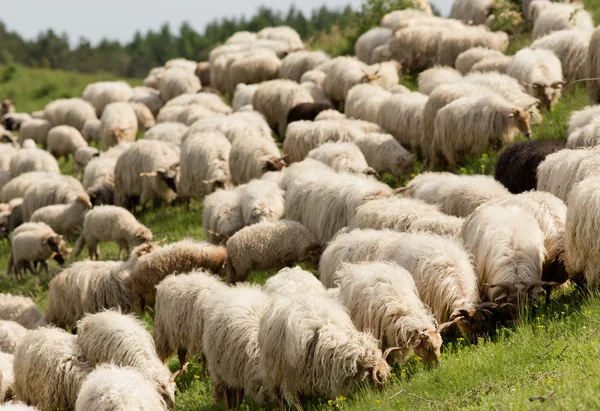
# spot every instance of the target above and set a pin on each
(306, 111)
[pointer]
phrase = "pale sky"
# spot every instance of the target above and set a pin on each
(120, 19)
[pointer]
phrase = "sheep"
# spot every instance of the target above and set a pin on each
(274, 99)
(175, 82)
(405, 215)
(33, 159)
(203, 72)
(186, 297)
(508, 249)
(110, 388)
(92, 130)
(36, 130)
(295, 64)
(455, 195)
(253, 67)
(492, 64)
(63, 141)
(415, 47)
(98, 180)
(402, 116)
(182, 63)
(209, 101)
(330, 114)
(385, 154)
(103, 93)
(593, 68)
(119, 123)
(82, 156)
(144, 116)
(333, 199)
(122, 340)
(467, 59)
(586, 136)
(204, 165)
(293, 281)
(317, 93)
(282, 33)
(111, 223)
(582, 118)
(147, 170)
(7, 152)
(11, 334)
(557, 17)
(36, 246)
(369, 41)
(21, 310)
(472, 11)
(72, 112)
(382, 299)
(342, 157)
(60, 190)
(431, 78)
(306, 111)
(308, 345)
(267, 245)
(186, 115)
(314, 76)
(540, 73)
(17, 186)
(49, 368)
(149, 97)
(453, 43)
(222, 215)
(13, 121)
(7, 378)
(241, 37)
(179, 257)
(262, 200)
(66, 219)
(231, 325)
(364, 101)
(7, 106)
(171, 132)
(89, 287)
(243, 95)
(393, 19)
(252, 157)
(239, 125)
(16, 406)
(480, 122)
(517, 164)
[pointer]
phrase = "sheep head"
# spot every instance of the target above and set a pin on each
(426, 344)
(548, 94)
(272, 163)
(8, 138)
(521, 119)
(311, 254)
(371, 77)
(143, 235)
(85, 200)
(57, 244)
(470, 323)
(169, 175)
(372, 364)
(7, 106)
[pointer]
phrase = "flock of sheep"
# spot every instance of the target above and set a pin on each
(398, 270)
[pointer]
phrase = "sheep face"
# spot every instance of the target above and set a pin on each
(167, 392)
(402, 164)
(311, 255)
(426, 345)
(272, 163)
(7, 107)
(142, 235)
(521, 120)
(548, 94)
(103, 194)
(372, 365)
(58, 245)
(8, 138)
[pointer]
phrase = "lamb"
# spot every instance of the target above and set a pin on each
(495, 125)
(63, 141)
(89, 287)
(60, 190)
(382, 299)
(36, 130)
(262, 200)
(472, 11)
(364, 101)
(540, 72)
(369, 41)
(252, 157)
(593, 68)
(231, 325)
(333, 198)
(185, 297)
(66, 219)
(110, 388)
(72, 112)
(402, 116)
(103, 93)
(180, 257)
(467, 59)
(405, 215)
(21, 310)
(36, 246)
(92, 130)
(33, 159)
(267, 245)
(149, 97)
(385, 154)
(295, 64)
(508, 247)
(146, 171)
(586, 136)
(343, 357)
(253, 67)
(176, 81)
(119, 123)
(7, 378)
(144, 116)
(453, 194)
(171, 132)
(517, 164)
(293, 281)
(11, 334)
(204, 165)
(49, 368)
(122, 340)
(433, 77)
(306, 111)
(342, 157)
(274, 99)
(557, 17)
(243, 95)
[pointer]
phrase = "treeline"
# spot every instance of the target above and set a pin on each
(154, 48)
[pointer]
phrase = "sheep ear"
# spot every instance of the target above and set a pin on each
(154, 172)
(513, 113)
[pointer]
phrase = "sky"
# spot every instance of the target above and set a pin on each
(120, 19)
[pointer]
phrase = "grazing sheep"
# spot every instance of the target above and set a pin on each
(103, 93)
(32, 159)
(385, 154)
(144, 116)
(508, 249)
(540, 73)
(239, 125)
(241, 37)
(402, 116)
(267, 245)
(306, 111)
(295, 64)
(119, 123)
(251, 157)
(111, 388)
(175, 81)
(49, 368)
(92, 130)
(453, 194)
(171, 132)
(222, 215)
(210, 101)
(185, 297)
(517, 164)
(393, 19)
(72, 112)
(21, 310)
(7, 152)
(369, 41)
(405, 215)
(149, 97)
(285, 34)
(179, 257)
(63, 141)
(146, 171)
(36, 130)
(11, 334)
(36, 246)
(60, 190)
(330, 114)
(586, 136)
(111, 223)
(66, 219)
(82, 156)
(98, 180)
(293, 281)
(308, 345)
(243, 95)
(113, 338)
(7, 378)
(262, 200)
(314, 76)
(472, 11)
(467, 59)
(342, 157)
(470, 126)
(382, 299)
(253, 67)
(556, 17)
(431, 78)
(364, 101)
(13, 121)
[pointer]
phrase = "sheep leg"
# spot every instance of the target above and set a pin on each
(181, 353)
(231, 398)
(218, 391)
(10, 266)
(79, 246)
(44, 265)
(239, 397)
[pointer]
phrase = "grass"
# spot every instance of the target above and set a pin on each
(547, 360)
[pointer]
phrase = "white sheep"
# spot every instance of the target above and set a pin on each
(241, 37)
(293, 281)
(103, 93)
(583, 117)
(593, 68)
(171, 132)
(493, 64)
(7, 378)
(175, 81)
(235, 126)
(382, 299)
(262, 200)
(111, 223)
(222, 215)
(385, 154)
(431, 78)
(149, 97)
(402, 116)
(467, 59)
(558, 16)
(11, 334)
(453, 194)
(342, 157)
(21, 310)
(72, 112)
(364, 101)
(119, 123)
(66, 219)
(453, 42)
(369, 41)
(144, 116)
(253, 156)
(315, 76)
(586, 136)
(60, 190)
(92, 130)
(472, 11)
(63, 141)
(7, 152)
(295, 64)
(243, 95)
(253, 67)
(393, 19)
(32, 159)
(36, 130)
